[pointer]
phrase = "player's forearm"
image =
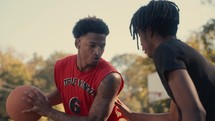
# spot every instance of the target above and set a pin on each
(60, 116)
(196, 115)
(54, 98)
(148, 117)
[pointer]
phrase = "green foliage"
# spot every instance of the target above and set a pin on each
(14, 72)
(204, 40)
(208, 2)
(207, 36)
(44, 72)
(134, 69)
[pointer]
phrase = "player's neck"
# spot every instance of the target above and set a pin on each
(167, 38)
(158, 40)
(82, 66)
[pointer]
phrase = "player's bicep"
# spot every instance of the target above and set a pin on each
(54, 98)
(105, 98)
(184, 91)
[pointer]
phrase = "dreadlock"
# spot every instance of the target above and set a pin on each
(161, 16)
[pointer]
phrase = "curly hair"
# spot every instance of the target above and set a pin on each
(161, 16)
(90, 24)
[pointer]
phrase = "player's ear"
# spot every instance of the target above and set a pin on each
(149, 31)
(77, 43)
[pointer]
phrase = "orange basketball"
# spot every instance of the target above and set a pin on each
(15, 105)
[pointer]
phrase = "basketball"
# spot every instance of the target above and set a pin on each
(15, 105)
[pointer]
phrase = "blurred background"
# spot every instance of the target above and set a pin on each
(34, 34)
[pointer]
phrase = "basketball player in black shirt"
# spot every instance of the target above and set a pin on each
(186, 75)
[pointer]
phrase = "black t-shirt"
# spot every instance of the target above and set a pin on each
(175, 54)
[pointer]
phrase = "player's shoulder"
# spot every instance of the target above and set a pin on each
(104, 64)
(65, 60)
(169, 46)
(113, 77)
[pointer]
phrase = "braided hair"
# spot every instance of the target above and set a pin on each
(161, 16)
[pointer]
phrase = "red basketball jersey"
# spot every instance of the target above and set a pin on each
(78, 89)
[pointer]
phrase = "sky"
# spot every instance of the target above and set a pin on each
(45, 26)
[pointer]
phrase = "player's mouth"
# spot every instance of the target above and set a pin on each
(95, 60)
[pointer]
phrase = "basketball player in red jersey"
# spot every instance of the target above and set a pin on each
(87, 85)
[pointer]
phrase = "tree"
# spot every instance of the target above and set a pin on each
(210, 2)
(204, 40)
(13, 72)
(43, 76)
(134, 69)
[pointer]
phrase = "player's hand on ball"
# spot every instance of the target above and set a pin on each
(38, 100)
